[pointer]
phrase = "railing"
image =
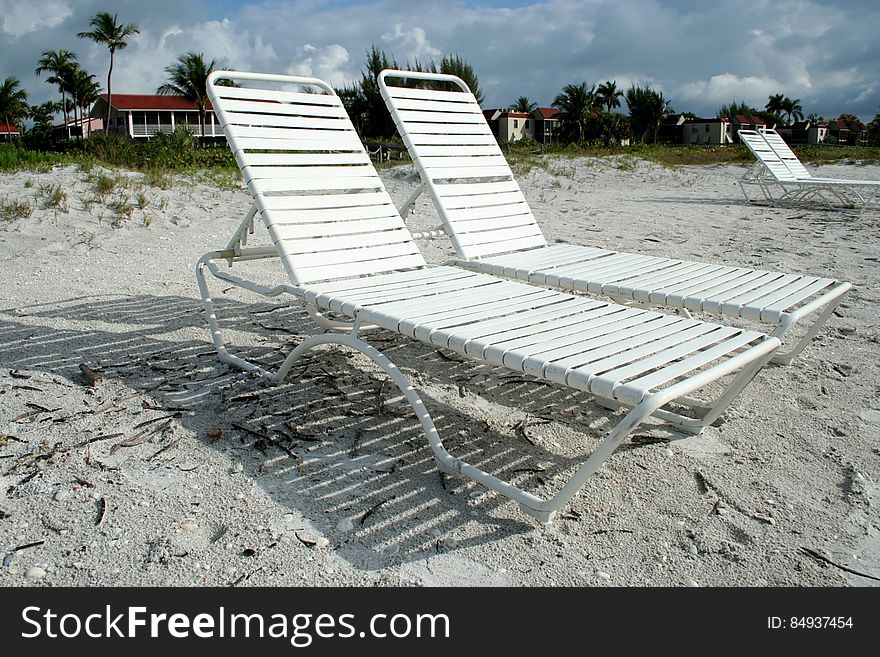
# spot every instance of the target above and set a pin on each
(150, 129)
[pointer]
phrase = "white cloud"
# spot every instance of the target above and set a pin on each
(410, 44)
(20, 18)
(700, 54)
(327, 63)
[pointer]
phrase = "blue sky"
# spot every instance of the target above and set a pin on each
(700, 54)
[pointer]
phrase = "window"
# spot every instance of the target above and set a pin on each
(707, 127)
(527, 124)
(516, 123)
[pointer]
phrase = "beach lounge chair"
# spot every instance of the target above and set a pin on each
(348, 253)
(494, 231)
(783, 179)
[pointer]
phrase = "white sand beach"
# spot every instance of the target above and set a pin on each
(173, 469)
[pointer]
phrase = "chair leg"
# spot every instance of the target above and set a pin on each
(785, 357)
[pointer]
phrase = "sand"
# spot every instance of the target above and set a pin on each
(173, 469)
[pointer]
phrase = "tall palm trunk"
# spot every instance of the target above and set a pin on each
(109, 93)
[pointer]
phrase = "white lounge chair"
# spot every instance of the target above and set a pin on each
(494, 231)
(783, 179)
(347, 252)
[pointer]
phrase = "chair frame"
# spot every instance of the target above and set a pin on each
(783, 180)
(742, 357)
(826, 300)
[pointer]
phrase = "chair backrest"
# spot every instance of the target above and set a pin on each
(319, 195)
(784, 152)
(766, 155)
(458, 158)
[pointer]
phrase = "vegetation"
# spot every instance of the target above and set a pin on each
(107, 30)
(647, 108)
(524, 104)
(575, 104)
(188, 77)
(13, 101)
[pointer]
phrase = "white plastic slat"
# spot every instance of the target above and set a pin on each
(306, 172)
(442, 118)
(430, 94)
(451, 191)
(326, 215)
(337, 183)
(476, 139)
(349, 227)
(305, 160)
(463, 162)
(441, 106)
(321, 200)
(813, 287)
(748, 304)
(499, 235)
(343, 256)
(252, 94)
(513, 350)
(322, 272)
(322, 294)
(456, 150)
(478, 250)
(240, 120)
(553, 319)
(483, 200)
(638, 341)
(494, 223)
(338, 243)
(330, 137)
(462, 216)
(396, 294)
(312, 143)
(232, 108)
(602, 377)
(448, 129)
(474, 339)
(467, 172)
(635, 390)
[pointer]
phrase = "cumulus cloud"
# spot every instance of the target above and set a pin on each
(699, 54)
(327, 63)
(20, 18)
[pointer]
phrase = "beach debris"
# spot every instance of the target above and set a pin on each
(172, 445)
(84, 482)
(249, 552)
(316, 543)
(27, 545)
(345, 525)
(391, 550)
(92, 378)
(142, 436)
(757, 515)
(4, 514)
(601, 574)
(35, 572)
(60, 495)
(818, 556)
(15, 374)
(102, 511)
(375, 508)
(190, 527)
(214, 434)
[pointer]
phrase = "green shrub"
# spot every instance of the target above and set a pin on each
(12, 210)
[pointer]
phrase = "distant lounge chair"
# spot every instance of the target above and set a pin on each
(493, 230)
(347, 252)
(783, 179)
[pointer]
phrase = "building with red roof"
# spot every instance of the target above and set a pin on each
(141, 116)
(8, 131)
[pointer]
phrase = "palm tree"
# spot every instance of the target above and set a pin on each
(646, 110)
(85, 90)
(774, 103)
(524, 104)
(57, 62)
(107, 30)
(608, 95)
(189, 78)
(575, 104)
(13, 101)
(792, 109)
